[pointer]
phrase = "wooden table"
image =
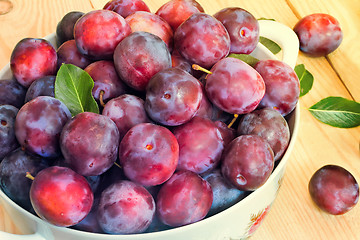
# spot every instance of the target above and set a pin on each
(293, 215)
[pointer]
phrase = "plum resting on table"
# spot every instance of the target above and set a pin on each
(319, 34)
(334, 189)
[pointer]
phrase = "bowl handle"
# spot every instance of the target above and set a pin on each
(282, 35)
(10, 236)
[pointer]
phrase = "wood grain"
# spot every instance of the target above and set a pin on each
(293, 215)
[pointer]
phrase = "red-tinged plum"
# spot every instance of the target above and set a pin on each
(178, 61)
(8, 141)
(12, 93)
(234, 86)
(175, 12)
(224, 194)
(89, 143)
(107, 83)
(243, 29)
(202, 39)
(268, 124)
(149, 154)
(281, 83)
(13, 169)
(65, 27)
(136, 67)
(125, 207)
(173, 97)
(152, 23)
(247, 162)
(126, 7)
(228, 134)
(97, 33)
(61, 196)
(69, 53)
(33, 58)
(200, 145)
(126, 111)
(43, 86)
(319, 34)
(39, 123)
(185, 198)
(334, 189)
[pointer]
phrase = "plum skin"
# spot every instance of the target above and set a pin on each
(31, 59)
(61, 196)
(106, 25)
(89, 143)
(319, 34)
(202, 39)
(247, 162)
(125, 207)
(39, 123)
(149, 154)
(333, 189)
(234, 86)
(185, 198)
(136, 67)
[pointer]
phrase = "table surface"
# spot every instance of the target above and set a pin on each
(293, 215)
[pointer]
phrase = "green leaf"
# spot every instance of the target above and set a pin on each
(73, 87)
(306, 79)
(337, 112)
(271, 45)
(246, 58)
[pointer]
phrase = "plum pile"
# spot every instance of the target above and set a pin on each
(171, 144)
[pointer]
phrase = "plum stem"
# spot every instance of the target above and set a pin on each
(233, 120)
(29, 176)
(197, 67)
(116, 164)
(101, 95)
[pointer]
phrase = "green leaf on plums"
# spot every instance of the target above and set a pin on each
(270, 44)
(73, 87)
(306, 79)
(337, 112)
(246, 58)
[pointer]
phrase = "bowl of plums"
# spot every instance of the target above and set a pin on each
(131, 124)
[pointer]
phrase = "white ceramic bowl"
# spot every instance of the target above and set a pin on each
(236, 222)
